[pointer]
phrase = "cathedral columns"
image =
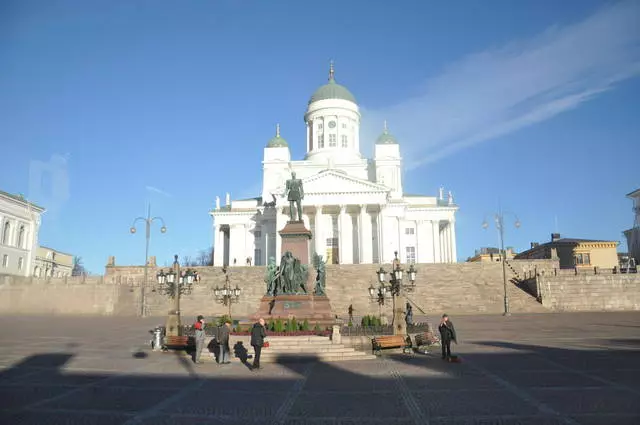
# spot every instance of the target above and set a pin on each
(218, 250)
(317, 233)
(435, 231)
(452, 238)
(345, 236)
(365, 236)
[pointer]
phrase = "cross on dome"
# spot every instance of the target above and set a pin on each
(385, 130)
(278, 130)
(331, 70)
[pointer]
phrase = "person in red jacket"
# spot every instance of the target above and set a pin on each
(200, 337)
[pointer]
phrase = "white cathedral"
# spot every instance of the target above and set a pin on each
(355, 207)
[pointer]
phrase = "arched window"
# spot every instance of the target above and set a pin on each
(21, 237)
(5, 232)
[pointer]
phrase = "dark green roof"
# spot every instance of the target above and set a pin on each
(277, 141)
(21, 199)
(332, 90)
(386, 138)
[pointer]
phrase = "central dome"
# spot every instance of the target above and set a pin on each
(332, 90)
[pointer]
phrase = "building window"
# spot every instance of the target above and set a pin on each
(319, 126)
(332, 242)
(409, 231)
(257, 257)
(345, 141)
(344, 125)
(332, 141)
(257, 234)
(583, 259)
(5, 260)
(320, 141)
(21, 237)
(20, 263)
(6, 229)
(411, 254)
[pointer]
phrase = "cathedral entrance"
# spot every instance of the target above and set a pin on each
(333, 251)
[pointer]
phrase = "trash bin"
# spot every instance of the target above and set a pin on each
(156, 342)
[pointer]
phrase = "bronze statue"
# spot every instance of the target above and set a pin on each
(293, 276)
(272, 277)
(320, 276)
(295, 194)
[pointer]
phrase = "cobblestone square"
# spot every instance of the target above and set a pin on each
(92, 370)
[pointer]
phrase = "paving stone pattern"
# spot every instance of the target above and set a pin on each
(530, 369)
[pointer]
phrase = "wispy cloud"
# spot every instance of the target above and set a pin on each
(501, 90)
(156, 190)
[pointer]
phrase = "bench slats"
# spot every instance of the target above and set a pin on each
(389, 341)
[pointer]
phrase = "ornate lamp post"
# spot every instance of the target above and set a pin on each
(227, 295)
(397, 288)
(148, 221)
(379, 294)
(175, 283)
(499, 220)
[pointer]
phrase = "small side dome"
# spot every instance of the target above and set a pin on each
(386, 138)
(332, 90)
(277, 141)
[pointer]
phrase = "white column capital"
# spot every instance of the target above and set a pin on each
(343, 209)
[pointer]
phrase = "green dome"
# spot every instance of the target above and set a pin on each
(386, 138)
(332, 90)
(277, 141)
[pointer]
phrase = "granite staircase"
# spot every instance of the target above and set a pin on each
(301, 348)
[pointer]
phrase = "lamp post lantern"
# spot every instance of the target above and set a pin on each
(397, 288)
(148, 221)
(499, 220)
(175, 283)
(227, 295)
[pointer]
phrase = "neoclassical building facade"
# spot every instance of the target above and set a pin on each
(354, 206)
(19, 228)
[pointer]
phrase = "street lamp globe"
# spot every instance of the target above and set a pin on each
(485, 224)
(161, 277)
(397, 273)
(381, 275)
(132, 229)
(372, 291)
(237, 291)
(517, 224)
(171, 277)
(412, 273)
(163, 229)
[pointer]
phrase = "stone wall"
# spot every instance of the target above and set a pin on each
(456, 288)
(590, 292)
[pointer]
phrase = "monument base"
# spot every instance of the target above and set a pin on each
(315, 309)
(295, 239)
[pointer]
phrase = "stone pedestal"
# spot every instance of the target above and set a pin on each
(295, 238)
(315, 309)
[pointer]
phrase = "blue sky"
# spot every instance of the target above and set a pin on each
(531, 105)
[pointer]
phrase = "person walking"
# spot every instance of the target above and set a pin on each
(447, 334)
(223, 340)
(258, 334)
(200, 338)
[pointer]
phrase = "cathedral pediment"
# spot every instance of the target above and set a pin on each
(338, 182)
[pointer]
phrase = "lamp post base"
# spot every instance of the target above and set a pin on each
(173, 323)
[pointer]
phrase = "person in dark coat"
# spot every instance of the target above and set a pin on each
(447, 334)
(223, 340)
(258, 334)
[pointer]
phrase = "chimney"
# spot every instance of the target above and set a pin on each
(555, 237)
(534, 245)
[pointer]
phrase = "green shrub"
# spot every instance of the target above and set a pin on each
(317, 328)
(305, 325)
(271, 325)
(223, 319)
(365, 321)
(294, 325)
(350, 324)
(279, 326)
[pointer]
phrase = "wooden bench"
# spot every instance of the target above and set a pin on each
(427, 340)
(177, 342)
(379, 343)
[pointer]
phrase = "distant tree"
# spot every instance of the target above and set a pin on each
(78, 267)
(205, 257)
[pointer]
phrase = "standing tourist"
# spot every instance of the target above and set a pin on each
(223, 335)
(258, 334)
(200, 337)
(447, 334)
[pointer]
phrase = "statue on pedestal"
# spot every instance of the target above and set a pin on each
(272, 277)
(293, 275)
(295, 194)
(320, 276)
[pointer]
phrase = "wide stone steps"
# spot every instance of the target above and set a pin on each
(306, 348)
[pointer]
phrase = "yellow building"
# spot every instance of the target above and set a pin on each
(491, 255)
(52, 263)
(580, 253)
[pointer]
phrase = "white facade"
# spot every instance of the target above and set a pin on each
(355, 207)
(19, 227)
(51, 263)
(633, 234)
